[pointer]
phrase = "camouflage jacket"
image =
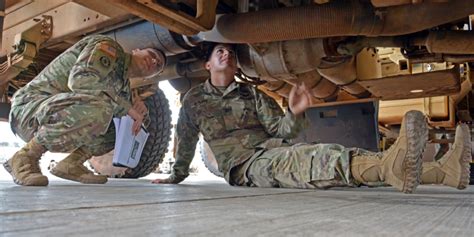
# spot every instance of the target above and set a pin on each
(96, 65)
(237, 124)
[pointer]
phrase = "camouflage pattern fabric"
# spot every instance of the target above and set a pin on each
(72, 101)
(301, 166)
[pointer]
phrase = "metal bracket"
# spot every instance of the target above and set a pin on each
(174, 20)
(27, 45)
(36, 35)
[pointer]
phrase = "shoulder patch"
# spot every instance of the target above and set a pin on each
(102, 58)
(105, 61)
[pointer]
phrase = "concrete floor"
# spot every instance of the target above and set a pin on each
(209, 207)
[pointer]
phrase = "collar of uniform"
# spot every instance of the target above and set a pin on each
(209, 88)
(232, 87)
(127, 61)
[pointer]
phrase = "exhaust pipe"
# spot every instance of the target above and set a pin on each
(343, 73)
(320, 88)
(337, 18)
(300, 60)
(388, 3)
(145, 34)
(449, 42)
(453, 46)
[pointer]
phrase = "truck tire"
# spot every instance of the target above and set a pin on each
(155, 147)
(209, 159)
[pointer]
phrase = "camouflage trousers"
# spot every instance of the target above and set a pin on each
(302, 166)
(65, 122)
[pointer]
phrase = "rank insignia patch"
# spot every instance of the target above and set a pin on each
(106, 48)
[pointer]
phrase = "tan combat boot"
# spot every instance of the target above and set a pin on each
(453, 168)
(24, 165)
(400, 165)
(72, 168)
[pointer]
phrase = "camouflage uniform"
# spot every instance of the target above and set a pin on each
(70, 104)
(246, 130)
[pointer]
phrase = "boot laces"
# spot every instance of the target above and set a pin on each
(370, 154)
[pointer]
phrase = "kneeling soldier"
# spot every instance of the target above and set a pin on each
(69, 106)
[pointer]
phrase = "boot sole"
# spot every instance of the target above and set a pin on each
(9, 169)
(73, 178)
(465, 160)
(417, 136)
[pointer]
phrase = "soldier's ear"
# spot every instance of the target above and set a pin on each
(208, 65)
(135, 50)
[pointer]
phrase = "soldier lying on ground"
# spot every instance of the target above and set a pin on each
(69, 106)
(246, 131)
